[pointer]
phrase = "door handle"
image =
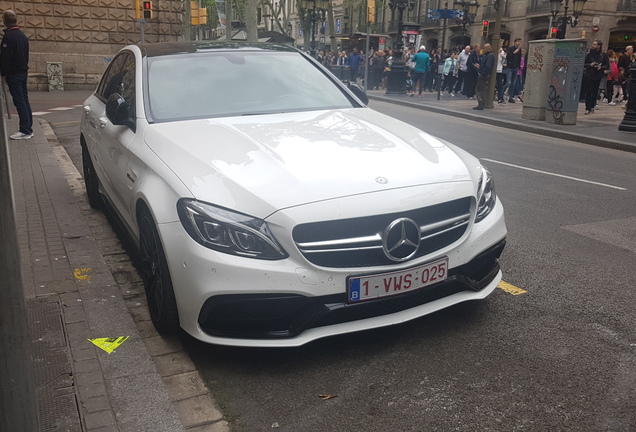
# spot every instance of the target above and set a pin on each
(87, 109)
(103, 121)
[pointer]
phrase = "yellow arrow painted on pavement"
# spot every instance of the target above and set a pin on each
(109, 344)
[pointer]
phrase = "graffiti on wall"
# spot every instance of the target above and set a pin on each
(54, 75)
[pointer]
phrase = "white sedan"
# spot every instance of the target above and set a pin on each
(271, 207)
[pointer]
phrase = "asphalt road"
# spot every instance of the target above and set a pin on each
(561, 356)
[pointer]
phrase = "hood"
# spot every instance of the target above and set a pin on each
(260, 164)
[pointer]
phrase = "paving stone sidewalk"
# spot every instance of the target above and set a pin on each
(79, 285)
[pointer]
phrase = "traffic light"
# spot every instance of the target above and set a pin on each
(553, 32)
(626, 37)
(484, 29)
(198, 16)
(371, 11)
(147, 8)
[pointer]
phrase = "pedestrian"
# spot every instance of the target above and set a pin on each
(519, 82)
(618, 86)
(432, 80)
(14, 64)
(422, 66)
(450, 74)
(462, 62)
(485, 68)
(623, 62)
(377, 67)
(354, 65)
(472, 71)
(501, 77)
(513, 63)
(595, 63)
(612, 77)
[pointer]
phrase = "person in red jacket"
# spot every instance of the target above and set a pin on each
(14, 64)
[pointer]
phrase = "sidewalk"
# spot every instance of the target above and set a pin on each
(599, 129)
(80, 285)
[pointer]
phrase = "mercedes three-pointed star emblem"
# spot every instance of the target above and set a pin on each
(401, 239)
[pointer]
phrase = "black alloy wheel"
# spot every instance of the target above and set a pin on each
(91, 182)
(157, 282)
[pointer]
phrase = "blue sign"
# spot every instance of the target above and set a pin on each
(450, 13)
(338, 25)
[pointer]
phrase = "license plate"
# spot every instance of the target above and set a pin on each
(388, 284)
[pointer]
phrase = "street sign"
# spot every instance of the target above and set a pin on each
(450, 13)
(595, 28)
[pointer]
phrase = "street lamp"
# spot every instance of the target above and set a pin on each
(316, 11)
(396, 76)
(469, 7)
(563, 21)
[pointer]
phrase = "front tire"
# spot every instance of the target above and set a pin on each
(157, 282)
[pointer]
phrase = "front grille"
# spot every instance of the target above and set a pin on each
(357, 242)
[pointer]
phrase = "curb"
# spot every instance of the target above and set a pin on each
(535, 129)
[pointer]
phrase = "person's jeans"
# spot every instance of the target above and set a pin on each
(591, 93)
(481, 89)
(354, 74)
(460, 81)
(18, 89)
(511, 78)
(501, 80)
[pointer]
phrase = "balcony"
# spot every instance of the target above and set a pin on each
(490, 13)
(626, 6)
(428, 23)
(538, 7)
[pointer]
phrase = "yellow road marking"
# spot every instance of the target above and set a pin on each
(511, 289)
(109, 344)
(81, 274)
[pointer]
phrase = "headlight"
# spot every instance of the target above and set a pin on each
(486, 197)
(228, 231)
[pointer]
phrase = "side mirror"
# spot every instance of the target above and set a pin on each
(359, 92)
(116, 109)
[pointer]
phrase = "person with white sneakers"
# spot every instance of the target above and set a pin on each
(14, 64)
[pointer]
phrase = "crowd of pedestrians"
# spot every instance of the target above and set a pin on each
(466, 71)
(606, 78)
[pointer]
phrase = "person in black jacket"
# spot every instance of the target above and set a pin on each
(596, 63)
(485, 69)
(14, 64)
(472, 72)
(513, 63)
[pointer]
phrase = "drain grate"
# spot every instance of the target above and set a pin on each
(57, 402)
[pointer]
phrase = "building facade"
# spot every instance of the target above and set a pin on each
(611, 21)
(81, 36)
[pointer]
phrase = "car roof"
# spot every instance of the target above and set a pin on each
(182, 47)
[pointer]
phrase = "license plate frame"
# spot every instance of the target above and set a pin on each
(375, 286)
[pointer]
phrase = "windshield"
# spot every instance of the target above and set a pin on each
(219, 84)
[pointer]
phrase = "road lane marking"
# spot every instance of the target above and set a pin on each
(72, 122)
(511, 289)
(556, 175)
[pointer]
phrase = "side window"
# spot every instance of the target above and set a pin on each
(112, 77)
(120, 78)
